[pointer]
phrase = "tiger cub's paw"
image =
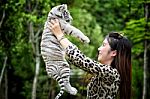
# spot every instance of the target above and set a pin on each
(86, 39)
(73, 91)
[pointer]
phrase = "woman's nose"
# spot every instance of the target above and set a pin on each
(99, 48)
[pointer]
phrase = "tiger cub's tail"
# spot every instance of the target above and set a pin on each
(62, 87)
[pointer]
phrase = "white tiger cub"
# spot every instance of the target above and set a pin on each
(52, 52)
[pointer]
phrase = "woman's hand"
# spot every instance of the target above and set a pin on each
(55, 28)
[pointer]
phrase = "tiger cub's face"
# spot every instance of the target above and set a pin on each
(61, 12)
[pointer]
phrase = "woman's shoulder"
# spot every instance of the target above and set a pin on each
(108, 71)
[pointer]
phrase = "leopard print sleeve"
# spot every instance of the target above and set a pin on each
(77, 58)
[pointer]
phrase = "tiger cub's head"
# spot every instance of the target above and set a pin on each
(60, 12)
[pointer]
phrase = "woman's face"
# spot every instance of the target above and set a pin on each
(105, 55)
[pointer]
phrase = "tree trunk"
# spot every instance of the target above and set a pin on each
(51, 90)
(6, 85)
(35, 77)
(34, 39)
(147, 5)
(2, 19)
(145, 72)
(3, 69)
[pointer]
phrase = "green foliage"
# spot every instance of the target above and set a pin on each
(110, 15)
(135, 29)
(137, 75)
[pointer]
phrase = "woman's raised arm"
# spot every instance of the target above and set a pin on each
(77, 57)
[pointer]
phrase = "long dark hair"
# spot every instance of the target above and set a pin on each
(122, 61)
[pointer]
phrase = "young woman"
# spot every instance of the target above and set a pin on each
(112, 72)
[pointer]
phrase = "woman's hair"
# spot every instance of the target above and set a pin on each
(122, 61)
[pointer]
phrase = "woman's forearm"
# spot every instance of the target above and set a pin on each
(65, 43)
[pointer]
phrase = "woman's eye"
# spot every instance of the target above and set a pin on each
(103, 44)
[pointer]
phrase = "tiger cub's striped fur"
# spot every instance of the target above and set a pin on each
(52, 52)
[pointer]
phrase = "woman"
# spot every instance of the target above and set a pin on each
(112, 72)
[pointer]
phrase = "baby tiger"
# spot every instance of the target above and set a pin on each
(52, 52)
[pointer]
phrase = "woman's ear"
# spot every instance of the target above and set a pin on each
(114, 53)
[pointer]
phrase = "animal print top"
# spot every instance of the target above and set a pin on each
(105, 81)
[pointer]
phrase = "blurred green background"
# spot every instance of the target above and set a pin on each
(22, 69)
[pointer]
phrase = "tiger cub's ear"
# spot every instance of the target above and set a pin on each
(62, 7)
(65, 6)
